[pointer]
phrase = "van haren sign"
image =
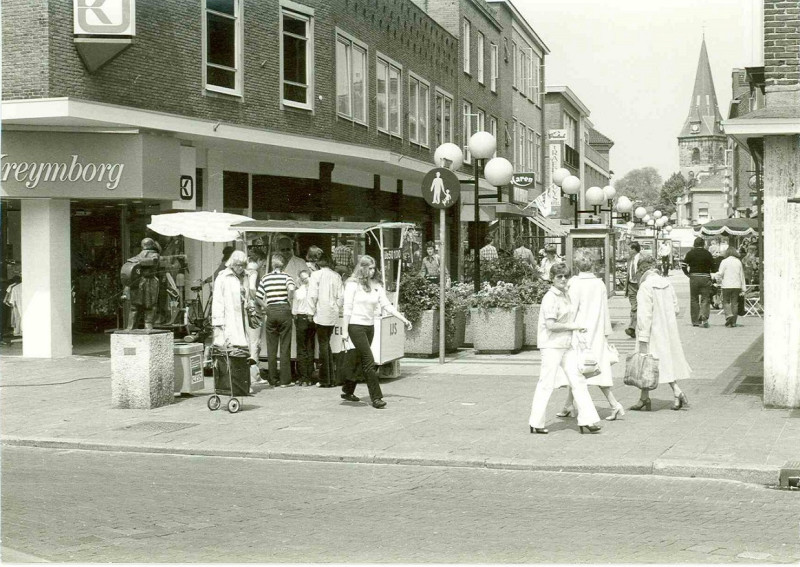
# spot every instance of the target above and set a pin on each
(32, 174)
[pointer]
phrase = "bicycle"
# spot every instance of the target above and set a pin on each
(198, 314)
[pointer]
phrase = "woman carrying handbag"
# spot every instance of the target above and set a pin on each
(589, 298)
(657, 332)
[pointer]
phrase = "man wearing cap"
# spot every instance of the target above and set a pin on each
(632, 285)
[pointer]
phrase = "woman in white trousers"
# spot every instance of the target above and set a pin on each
(555, 344)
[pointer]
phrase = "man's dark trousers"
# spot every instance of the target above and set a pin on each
(699, 297)
(279, 330)
(306, 331)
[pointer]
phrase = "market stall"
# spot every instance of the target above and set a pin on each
(389, 341)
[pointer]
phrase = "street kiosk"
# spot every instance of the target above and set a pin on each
(597, 242)
(388, 344)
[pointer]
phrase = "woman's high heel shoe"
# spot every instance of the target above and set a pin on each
(643, 405)
(680, 401)
(541, 430)
(618, 412)
(591, 428)
(564, 413)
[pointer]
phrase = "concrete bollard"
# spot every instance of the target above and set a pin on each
(142, 369)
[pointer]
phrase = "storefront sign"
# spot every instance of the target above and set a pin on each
(523, 180)
(71, 165)
(104, 17)
(31, 174)
(554, 191)
(187, 189)
(556, 135)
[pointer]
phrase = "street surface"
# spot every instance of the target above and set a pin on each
(72, 505)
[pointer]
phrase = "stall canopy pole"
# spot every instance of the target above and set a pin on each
(403, 231)
(442, 262)
(383, 262)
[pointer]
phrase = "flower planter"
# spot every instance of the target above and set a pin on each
(460, 331)
(530, 323)
(423, 340)
(497, 330)
(468, 329)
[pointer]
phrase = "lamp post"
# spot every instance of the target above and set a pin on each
(497, 171)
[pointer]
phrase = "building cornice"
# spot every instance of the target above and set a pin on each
(571, 97)
(519, 18)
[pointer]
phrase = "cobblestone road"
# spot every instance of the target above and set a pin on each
(96, 507)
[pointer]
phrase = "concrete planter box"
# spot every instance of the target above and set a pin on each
(423, 340)
(497, 330)
(530, 323)
(468, 329)
(461, 328)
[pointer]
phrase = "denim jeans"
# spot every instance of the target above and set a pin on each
(327, 376)
(361, 335)
(699, 297)
(730, 302)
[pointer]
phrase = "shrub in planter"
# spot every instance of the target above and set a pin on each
(496, 319)
(419, 302)
(506, 269)
(530, 294)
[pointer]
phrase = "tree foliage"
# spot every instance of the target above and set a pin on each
(643, 186)
(670, 191)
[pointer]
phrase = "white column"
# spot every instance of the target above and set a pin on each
(781, 273)
(46, 279)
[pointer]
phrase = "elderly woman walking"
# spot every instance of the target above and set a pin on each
(589, 298)
(732, 281)
(657, 332)
(556, 324)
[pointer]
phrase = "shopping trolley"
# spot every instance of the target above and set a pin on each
(231, 377)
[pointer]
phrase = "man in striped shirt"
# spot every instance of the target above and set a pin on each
(275, 293)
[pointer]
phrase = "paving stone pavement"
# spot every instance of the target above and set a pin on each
(69, 505)
(471, 411)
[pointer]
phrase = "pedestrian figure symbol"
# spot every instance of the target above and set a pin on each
(437, 187)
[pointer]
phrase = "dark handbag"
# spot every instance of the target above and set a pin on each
(254, 319)
(641, 371)
(740, 307)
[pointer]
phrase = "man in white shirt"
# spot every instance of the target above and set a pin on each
(305, 330)
(549, 259)
(665, 255)
(292, 264)
(632, 285)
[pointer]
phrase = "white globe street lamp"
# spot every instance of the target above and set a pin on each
(449, 155)
(559, 175)
(657, 214)
(609, 192)
(595, 196)
(497, 171)
(571, 185)
(640, 212)
(624, 205)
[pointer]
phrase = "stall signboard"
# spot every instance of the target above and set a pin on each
(392, 254)
(388, 342)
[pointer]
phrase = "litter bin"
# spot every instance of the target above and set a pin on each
(188, 367)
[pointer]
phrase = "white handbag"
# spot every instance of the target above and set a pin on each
(587, 361)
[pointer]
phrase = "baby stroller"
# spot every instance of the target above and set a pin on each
(231, 376)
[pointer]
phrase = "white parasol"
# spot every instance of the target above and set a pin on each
(201, 225)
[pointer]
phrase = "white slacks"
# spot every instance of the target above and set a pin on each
(566, 359)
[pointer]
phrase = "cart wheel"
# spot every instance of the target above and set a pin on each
(214, 403)
(233, 405)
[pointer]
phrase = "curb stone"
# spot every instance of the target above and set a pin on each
(751, 475)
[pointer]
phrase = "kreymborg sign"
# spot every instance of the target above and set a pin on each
(31, 174)
(105, 17)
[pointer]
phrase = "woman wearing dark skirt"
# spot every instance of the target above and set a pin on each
(362, 296)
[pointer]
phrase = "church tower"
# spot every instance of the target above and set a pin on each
(702, 141)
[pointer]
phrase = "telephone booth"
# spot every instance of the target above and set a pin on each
(597, 241)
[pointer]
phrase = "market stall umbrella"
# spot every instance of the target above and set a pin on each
(732, 227)
(206, 226)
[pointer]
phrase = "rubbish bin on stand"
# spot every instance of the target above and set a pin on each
(188, 367)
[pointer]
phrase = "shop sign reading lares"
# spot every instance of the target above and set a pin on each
(88, 166)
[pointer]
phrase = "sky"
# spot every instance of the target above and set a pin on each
(633, 64)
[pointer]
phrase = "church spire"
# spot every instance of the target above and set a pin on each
(704, 117)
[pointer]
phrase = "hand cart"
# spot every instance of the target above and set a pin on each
(231, 377)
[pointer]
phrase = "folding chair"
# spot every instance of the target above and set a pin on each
(752, 301)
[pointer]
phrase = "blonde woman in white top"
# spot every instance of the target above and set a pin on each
(362, 296)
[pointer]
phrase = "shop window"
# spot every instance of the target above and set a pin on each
(444, 118)
(481, 57)
(418, 110)
(297, 57)
(531, 153)
(222, 68)
(351, 78)
(235, 195)
(389, 103)
(466, 40)
(493, 66)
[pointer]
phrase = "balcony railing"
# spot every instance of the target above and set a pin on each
(572, 157)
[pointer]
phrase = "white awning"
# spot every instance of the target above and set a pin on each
(551, 227)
